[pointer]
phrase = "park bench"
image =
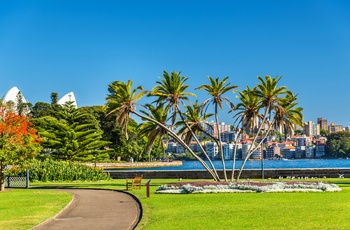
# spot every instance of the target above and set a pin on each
(134, 182)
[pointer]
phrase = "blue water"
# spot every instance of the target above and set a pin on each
(268, 164)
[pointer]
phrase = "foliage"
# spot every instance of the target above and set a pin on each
(263, 109)
(323, 132)
(18, 140)
(73, 135)
(50, 170)
(338, 144)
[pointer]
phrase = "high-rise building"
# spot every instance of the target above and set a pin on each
(323, 123)
(311, 129)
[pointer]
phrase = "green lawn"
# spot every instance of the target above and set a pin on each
(213, 211)
(25, 208)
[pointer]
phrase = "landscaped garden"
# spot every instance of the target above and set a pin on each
(292, 210)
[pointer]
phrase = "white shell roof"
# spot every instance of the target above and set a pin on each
(11, 95)
(67, 98)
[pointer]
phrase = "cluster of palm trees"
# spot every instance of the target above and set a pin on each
(263, 109)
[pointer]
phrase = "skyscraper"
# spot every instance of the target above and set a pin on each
(323, 123)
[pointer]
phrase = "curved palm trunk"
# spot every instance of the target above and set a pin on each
(174, 135)
(220, 143)
(234, 157)
(198, 142)
(250, 152)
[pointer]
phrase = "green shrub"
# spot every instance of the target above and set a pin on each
(50, 170)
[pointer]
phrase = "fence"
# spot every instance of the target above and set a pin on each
(17, 181)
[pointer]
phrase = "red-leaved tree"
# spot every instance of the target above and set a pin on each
(18, 141)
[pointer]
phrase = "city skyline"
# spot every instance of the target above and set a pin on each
(82, 46)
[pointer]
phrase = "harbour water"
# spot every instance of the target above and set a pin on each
(268, 164)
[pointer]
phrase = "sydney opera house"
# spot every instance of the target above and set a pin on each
(14, 94)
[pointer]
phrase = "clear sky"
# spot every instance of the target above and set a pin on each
(82, 46)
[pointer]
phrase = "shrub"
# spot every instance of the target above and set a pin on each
(50, 170)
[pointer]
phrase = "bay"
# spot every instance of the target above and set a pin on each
(268, 164)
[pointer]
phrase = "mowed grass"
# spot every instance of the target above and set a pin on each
(226, 211)
(25, 208)
(247, 210)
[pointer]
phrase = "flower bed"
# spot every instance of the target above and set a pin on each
(249, 186)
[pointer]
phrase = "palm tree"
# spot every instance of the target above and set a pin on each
(152, 130)
(271, 97)
(288, 115)
(216, 90)
(170, 91)
(194, 122)
(122, 101)
(247, 116)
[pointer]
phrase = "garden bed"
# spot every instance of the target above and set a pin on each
(247, 186)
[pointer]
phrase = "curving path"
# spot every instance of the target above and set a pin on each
(96, 209)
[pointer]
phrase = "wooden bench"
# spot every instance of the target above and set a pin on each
(134, 182)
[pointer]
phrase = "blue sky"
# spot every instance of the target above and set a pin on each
(82, 46)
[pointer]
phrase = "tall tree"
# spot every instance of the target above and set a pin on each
(121, 101)
(72, 137)
(152, 130)
(216, 89)
(171, 91)
(272, 98)
(18, 141)
(246, 117)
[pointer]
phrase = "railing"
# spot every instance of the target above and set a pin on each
(17, 181)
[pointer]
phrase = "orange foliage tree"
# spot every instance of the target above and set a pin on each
(18, 141)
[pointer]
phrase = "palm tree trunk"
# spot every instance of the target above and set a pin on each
(174, 135)
(198, 142)
(220, 143)
(250, 152)
(234, 157)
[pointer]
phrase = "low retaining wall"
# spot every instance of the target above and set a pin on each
(125, 165)
(251, 173)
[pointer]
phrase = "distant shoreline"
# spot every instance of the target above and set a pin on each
(124, 165)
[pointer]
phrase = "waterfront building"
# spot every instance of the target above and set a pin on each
(245, 149)
(212, 149)
(300, 151)
(332, 128)
(310, 152)
(171, 148)
(323, 123)
(303, 140)
(320, 150)
(257, 154)
(311, 129)
(288, 152)
(228, 151)
(179, 148)
(273, 151)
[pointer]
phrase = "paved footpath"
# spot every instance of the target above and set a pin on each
(96, 209)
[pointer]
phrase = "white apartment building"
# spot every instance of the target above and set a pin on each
(228, 151)
(212, 149)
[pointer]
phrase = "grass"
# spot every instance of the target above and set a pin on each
(25, 208)
(222, 211)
